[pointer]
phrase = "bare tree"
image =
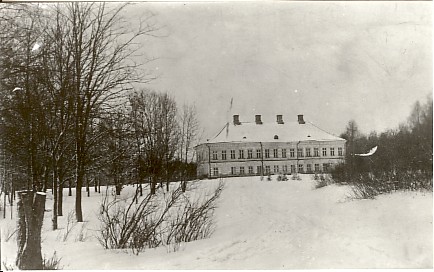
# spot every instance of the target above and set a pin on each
(153, 117)
(188, 134)
(100, 47)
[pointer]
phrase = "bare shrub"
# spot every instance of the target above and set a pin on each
(9, 233)
(52, 263)
(125, 224)
(8, 267)
(70, 225)
(322, 180)
(193, 220)
(164, 218)
(82, 234)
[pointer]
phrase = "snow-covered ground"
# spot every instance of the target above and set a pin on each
(265, 225)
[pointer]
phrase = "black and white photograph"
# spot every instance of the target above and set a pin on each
(216, 135)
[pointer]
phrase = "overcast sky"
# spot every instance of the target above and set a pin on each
(331, 61)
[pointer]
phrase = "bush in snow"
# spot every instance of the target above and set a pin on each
(163, 218)
(321, 180)
(193, 220)
(52, 263)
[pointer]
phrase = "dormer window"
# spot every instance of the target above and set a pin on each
(276, 137)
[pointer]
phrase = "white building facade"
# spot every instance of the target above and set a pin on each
(257, 148)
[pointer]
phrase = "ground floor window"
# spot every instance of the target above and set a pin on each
(233, 170)
(317, 167)
(325, 167)
(309, 168)
(276, 169)
(259, 169)
(285, 169)
(300, 168)
(267, 169)
(292, 168)
(215, 171)
(241, 170)
(250, 169)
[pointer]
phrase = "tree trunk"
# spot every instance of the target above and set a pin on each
(54, 189)
(95, 183)
(153, 185)
(87, 187)
(30, 219)
(70, 188)
(60, 199)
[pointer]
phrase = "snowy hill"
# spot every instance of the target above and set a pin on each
(265, 225)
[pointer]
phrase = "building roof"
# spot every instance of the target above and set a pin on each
(266, 132)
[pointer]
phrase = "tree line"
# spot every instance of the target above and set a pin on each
(70, 115)
(404, 158)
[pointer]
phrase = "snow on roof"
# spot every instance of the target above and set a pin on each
(273, 132)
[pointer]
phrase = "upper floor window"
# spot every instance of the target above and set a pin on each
(283, 153)
(299, 152)
(249, 154)
(224, 155)
(308, 152)
(267, 153)
(232, 154)
(332, 151)
(292, 152)
(324, 151)
(241, 154)
(258, 153)
(340, 152)
(316, 152)
(275, 155)
(214, 155)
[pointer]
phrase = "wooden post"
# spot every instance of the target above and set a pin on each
(30, 207)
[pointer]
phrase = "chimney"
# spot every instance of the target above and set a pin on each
(237, 120)
(279, 119)
(258, 119)
(300, 119)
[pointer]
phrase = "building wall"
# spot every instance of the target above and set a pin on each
(291, 157)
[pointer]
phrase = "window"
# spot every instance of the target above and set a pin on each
(325, 167)
(249, 154)
(259, 169)
(224, 155)
(309, 168)
(258, 153)
(317, 167)
(241, 170)
(324, 151)
(241, 154)
(300, 168)
(267, 169)
(276, 169)
(214, 155)
(299, 152)
(332, 151)
(285, 169)
(283, 153)
(308, 152)
(215, 171)
(340, 152)
(292, 152)
(233, 170)
(267, 153)
(292, 168)
(275, 155)
(250, 169)
(232, 154)
(316, 152)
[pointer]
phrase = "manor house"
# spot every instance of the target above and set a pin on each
(257, 148)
